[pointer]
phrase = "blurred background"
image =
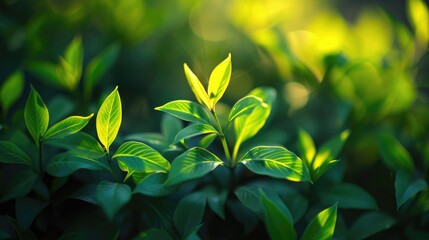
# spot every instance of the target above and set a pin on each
(358, 65)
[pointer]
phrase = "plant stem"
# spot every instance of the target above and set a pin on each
(222, 138)
(112, 170)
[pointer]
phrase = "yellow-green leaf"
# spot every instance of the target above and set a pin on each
(322, 226)
(196, 87)
(219, 80)
(11, 90)
(67, 127)
(109, 119)
(36, 116)
(419, 17)
(74, 57)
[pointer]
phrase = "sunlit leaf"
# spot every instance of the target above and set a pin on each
(348, 196)
(419, 16)
(394, 155)
(189, 214)
(109, 119)
(194, 163)
(244, 106)
(65, 164)
(73, 56)
(67, 127)
(276, 162)
(11, 90)
(194, 130)
(112, 196)
(36, 116)
(406, 188)
(370, 224)
(136, 156)
(306, 147)
(219, 80)
(186, 110)
(10, 153)
(322, 226)
(196, 87)
(278, 225)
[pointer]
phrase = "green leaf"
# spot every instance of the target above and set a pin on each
(98, 66)
(36, 116)
(276, 162)
(196, 87)
(193, 131)
(10, 153)
(112, 196)
(136, 156)
(394, 155)
(26, 210)
(73, 56)
(189, 214)
(277, 223)
(48, 73)
(109, 119)
(154, 185)
(66, 163)
(348, 196)
(418, 15)
(18, 186)
(306, 147)
(154, 140)
(244, 215)
(219, 80)
(216, 200)
(81, 144)
(324, 158)
(322, 226)
(406, 188)
(243, 107)
(370, 224)
(194, 163)
(186, 110)
(153, 233)
(170, 126)
(11, 90)
(87, 193)
(59, 107)
(67, 127)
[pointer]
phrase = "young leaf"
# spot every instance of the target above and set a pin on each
(11, 90)
(36, 116)
(219, 80)
(348, 196)
(10, 153)
(406, 188)
(394, 155)
(194, 163)
(196, 87)
(98, 66)
(67, 127)
(136, 156)
(112, 196)
(66, 163)
(276, 162)
(306, 147)
(73, 56)
(278, 225)
(186, 110)
(322, 226)
(109, 119)
(244, 106)
(194, 130)
(189, 214)
(370, 224)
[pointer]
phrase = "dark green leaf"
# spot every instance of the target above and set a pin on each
(277, 223)
(216, 200)
(394, 155)
(189, 214)
(21, 184)
(36, 116)
(81, 144)
(348, 196)
(276, 162)
(244, 107)
(244, 215)
(26, 210)
(406, 188)
(322, 226)
(10, 153)
(170, 126)
(186, 110)
(67, 127)
(194, 163)
(370, 224)
(87, 193)
(11, 90)
(112, 196)
(65, 164)
(154, 185)
(136, 156)
(152, 234)
(194, 130)
(60, 107)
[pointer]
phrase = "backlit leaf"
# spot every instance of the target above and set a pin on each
(73, 56)
(306, 147)
(194, 130)
(194, 163)
(322, 226)
(137, 156)
(67, 127)
(244, 106)
(36, 116)
(276, 162)
(419, 16)
(112, 196)
(196, 87)
(189, 214)
(406, 188)
(11, 90)
(10, 153)
(370, 224)
(219, 80)
(348, 196)
(186, 110)
(109, 119)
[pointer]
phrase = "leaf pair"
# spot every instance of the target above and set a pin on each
(218, 82)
